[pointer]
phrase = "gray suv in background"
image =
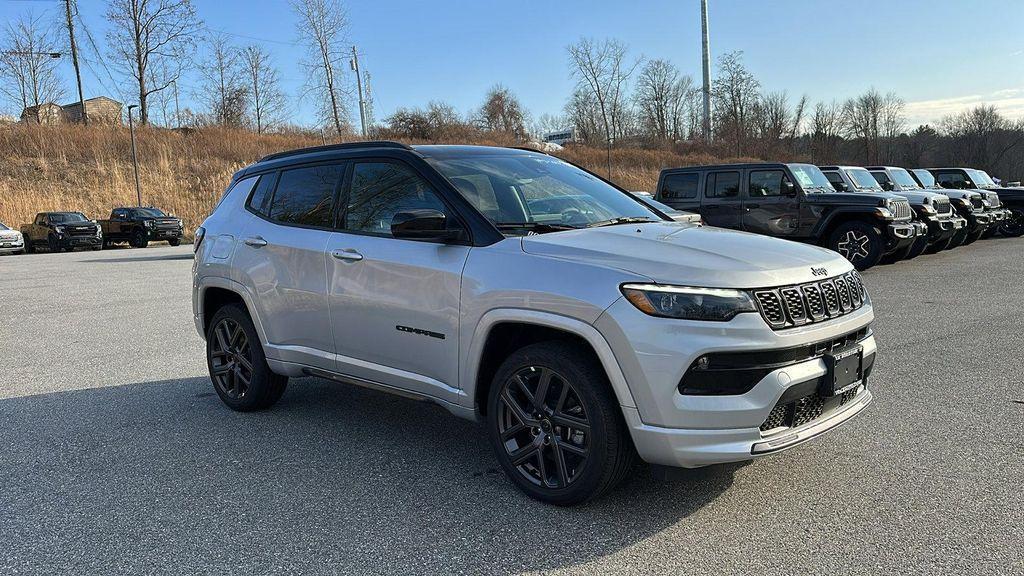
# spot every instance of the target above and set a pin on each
(581, 325)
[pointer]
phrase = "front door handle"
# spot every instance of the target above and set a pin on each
(347, 254)
(255, 242)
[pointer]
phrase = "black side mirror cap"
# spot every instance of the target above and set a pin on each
(424, 224)
(788, 189)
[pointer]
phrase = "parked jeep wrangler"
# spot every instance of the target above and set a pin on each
(583, 327)
(857, 179)
(1005, 203)
(971, 204)
(933, 208)
(139, 226)
(792, 201)
(60, 231)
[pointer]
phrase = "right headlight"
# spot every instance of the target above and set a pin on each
(150, 223)
(688, 303)
(58, 229)
(963, 203)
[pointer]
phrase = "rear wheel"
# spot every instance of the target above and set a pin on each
(859, 242)
(1013, 226)
(237, 364)
(555, 425)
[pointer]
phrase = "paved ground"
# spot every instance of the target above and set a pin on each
(116, 456)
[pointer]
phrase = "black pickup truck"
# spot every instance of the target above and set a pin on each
(60, 231)
(1007, 207)
(793, 201)
(140, 226)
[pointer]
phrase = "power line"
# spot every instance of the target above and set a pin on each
(208, 29)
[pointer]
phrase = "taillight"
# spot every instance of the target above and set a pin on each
(200, 234)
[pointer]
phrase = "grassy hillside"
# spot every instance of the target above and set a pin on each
(45, 168)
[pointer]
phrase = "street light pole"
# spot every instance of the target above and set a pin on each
(74, 60)
(135, 158)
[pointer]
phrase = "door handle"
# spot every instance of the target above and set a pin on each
(347, 254)
(255, 242)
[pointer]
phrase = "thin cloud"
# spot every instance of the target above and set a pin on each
(1010, 102)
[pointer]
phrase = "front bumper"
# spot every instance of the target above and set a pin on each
(156, 234)
(902, 234)
(11, 247)
(690, 430)
(79, 241)
(944, 227)
(998, 215)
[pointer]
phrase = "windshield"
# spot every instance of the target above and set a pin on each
(863, 179)
(522, 193)
(67, 217)
(926, 178)
(981, 178)
(2, 227)
(149, 212)
(811, 178)
(903, 178)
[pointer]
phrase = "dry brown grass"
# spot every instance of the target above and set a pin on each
(45, 168)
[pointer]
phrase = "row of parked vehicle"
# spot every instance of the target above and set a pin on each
(65, 231)
(869, 215)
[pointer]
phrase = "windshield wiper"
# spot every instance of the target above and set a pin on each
(534, 226)
(622, 220)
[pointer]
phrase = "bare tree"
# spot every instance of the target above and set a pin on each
(223, 89)
(152, 40)
(736, 94)
(29, 74)
(874, 121)
(583, 113)
(827, 125)
(502, 112)
(602, 71)
(661, 96)
(266, 100)
(322, 26)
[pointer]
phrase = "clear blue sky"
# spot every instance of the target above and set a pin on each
(939, 55)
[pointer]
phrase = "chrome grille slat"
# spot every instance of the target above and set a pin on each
(943, 206)
(789, 306)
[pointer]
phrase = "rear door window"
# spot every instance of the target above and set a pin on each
(305, 196)
(723, 185)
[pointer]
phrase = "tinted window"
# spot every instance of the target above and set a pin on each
(951, 179)
(678, 186)
(835, 179)
(382, 189)
(766, 183)
(305, 196)
(881, 177)
(259, 202)
(723, 185)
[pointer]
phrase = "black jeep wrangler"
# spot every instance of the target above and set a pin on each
(793, 201)
(1005, 203)
(140, 226)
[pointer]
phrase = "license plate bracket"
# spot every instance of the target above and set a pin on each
(845, 371)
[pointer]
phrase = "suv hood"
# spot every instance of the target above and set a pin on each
(917, 197)
(673, 253)
(852, 198)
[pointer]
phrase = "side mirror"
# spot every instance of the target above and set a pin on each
(788, 189)
(887, 186)
(840, 186)
(423, 224)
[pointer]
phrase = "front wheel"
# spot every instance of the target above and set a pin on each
(555, 426)
(939, 246)
(1013, 226)
(859, 242)
(174, 241)
(53, 243)
(973, 237)
(139, 239)
(237, 365)
(29, 248)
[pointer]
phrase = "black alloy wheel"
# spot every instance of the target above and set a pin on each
(139, 239)
(544, 427)
(859, 242)
(1013, 226)
(918, 247)
(231, 364)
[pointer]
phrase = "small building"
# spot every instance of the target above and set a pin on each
(101, 110)
(560, 137)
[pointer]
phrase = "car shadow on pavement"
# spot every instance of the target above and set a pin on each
(145, 258)
(333, 479)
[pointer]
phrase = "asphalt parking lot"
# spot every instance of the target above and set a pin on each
(117, 457)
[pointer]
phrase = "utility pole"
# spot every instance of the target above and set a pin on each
(74, 60)
(359, 86)
(135, 158)
(706, 58)
(177, 110)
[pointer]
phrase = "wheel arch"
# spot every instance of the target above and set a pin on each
(500, 332)
(214, 293)
(840, 217)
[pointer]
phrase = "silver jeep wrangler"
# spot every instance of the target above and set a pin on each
(583, 326)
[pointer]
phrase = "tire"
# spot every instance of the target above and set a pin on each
(972, 237)
(939, 246)
(958, 238)
(901, 254)
(918, 248)
(552, 458)
(174, 241)
(29, 248)
(859, 242)
(990, 232)
(1013, 226)
(233, 355)
(139, 239)
(53, 244)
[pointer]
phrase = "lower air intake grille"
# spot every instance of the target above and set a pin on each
(794, 413)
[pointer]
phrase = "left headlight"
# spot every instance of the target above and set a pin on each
(688, 303)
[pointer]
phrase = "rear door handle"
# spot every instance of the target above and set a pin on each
(347, 254)
(255, 242)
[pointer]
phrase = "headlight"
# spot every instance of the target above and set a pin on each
(712, 304)
(964, 203)
(150, 223)
(884, 213)
(928, 209)
(58, 229)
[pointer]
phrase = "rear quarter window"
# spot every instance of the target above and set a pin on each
(680, 186)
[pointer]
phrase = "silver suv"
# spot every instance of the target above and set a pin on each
(584, 327)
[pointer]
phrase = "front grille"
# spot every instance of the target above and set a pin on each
(793, 413)
(977, 203)
(943, 207)
(81, 231)
(901, 210)
(993, 199)
(814, 302)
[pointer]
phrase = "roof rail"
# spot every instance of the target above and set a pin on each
(342, 146)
